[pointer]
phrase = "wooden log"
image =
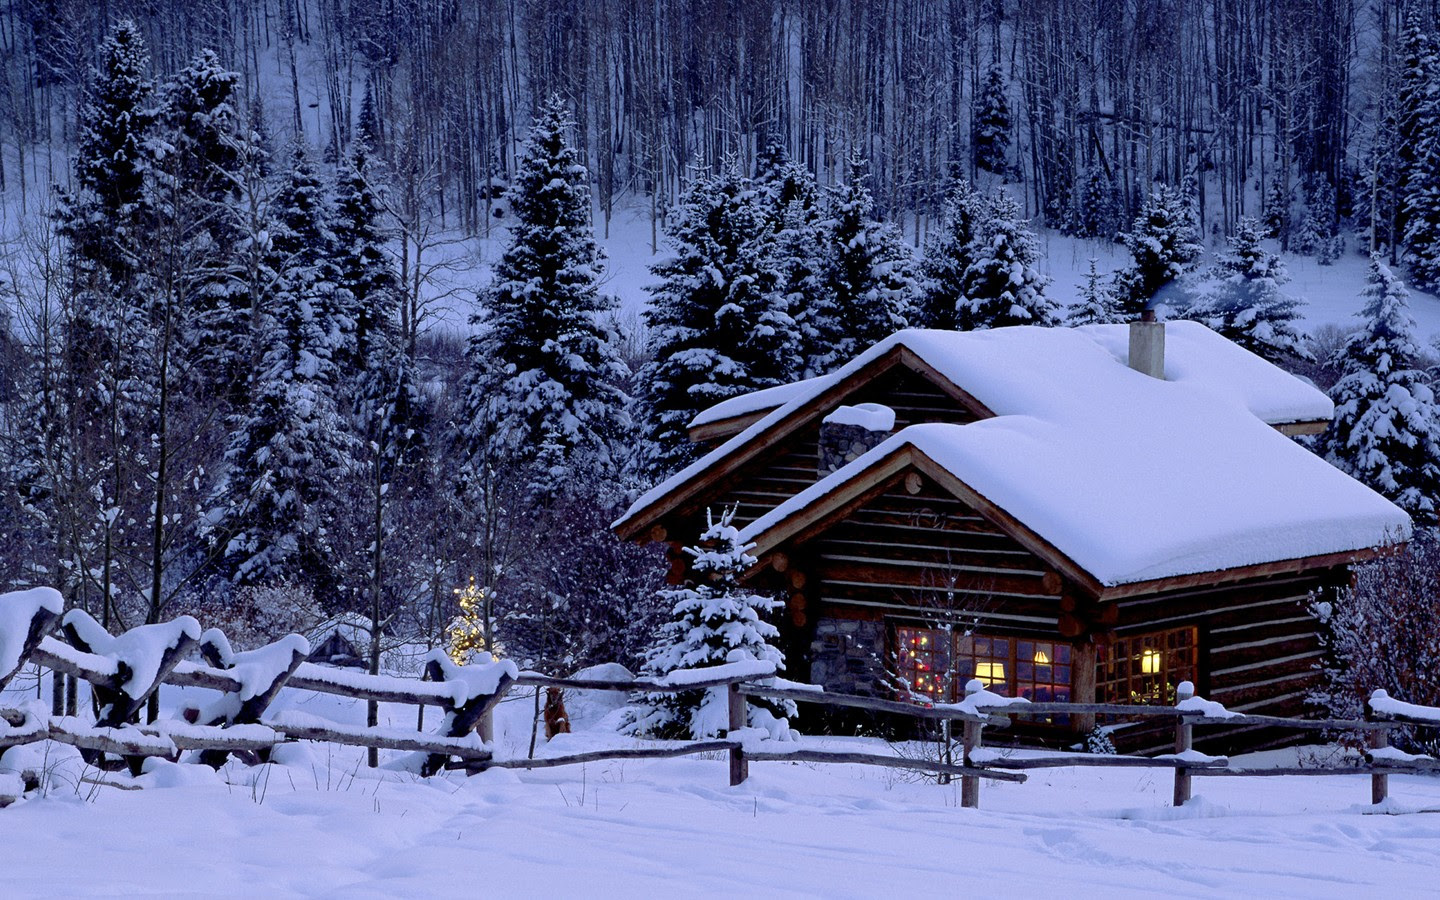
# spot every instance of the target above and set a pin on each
(970, 741)
(874, 704)
(66, 660)
(913, 483)
(216, 739)
(1379, 784)
(1096, 761)
(535, 679)
(461, 720)
(127, 742)
(365, 737)
(780, 562)
(1296, 770)
(550, 762)
(251, 709)
(886, 762)
(1082, 688)
(735, 703)
(1184, 741)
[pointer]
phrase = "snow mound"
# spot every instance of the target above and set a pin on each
(17, 611)
(1382, 703)
(870, 416)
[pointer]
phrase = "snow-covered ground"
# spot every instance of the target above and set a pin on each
(322, 825)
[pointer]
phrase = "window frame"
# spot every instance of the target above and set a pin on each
(1123, 666)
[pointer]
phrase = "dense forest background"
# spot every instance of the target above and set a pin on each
(1244, 96)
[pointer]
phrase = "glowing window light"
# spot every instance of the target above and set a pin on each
(1150, 662)
(1041, 659)
(990, 672)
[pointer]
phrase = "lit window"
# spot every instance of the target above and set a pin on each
(1145, 668)
(1013, 667)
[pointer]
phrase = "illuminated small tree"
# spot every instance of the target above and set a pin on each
(466, 634)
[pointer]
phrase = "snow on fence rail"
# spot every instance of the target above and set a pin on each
(125, 671)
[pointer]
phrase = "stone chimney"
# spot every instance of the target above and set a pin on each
(852, 431)
(1147, 345)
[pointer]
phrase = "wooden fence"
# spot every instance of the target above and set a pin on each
(125, 672)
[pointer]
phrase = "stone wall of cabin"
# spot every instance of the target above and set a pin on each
(847, 656)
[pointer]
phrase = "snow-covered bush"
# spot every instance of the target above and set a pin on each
(1384, 633)
(716, 621)
(1098, 741)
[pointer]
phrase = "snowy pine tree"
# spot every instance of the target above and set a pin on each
(109, 390)
(1385, 431)
(1095, 210)
(202, 175)
(715, 621)
(290, 452)
(864, 286)
(949, 253)
(718, 318)
(1002, 286)
(990, 124)
(1418, 151)
(1245, 304)
(544, 371)
(1164, 245)
(1097, 304)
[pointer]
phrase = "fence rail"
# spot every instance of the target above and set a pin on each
(125, 674)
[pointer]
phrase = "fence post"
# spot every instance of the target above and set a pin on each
(1184, 735)
(486, 726)
(739, 768)
(1378, 739)
(970, 737)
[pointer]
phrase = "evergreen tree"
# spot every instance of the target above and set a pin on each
(203, 178)
(1416, 118)
(365, 273)
(544, 371)
(718, 319)
(1097, 304)
(108, 386)
(990, 124)
(715, 621)
(1276, 214)
(1164, 245)
(949, 253)
(1095, 212)
(1002, 285)
(1385, 430)
(1245, 303)
(290, 452)
(105, 221)
(1420, 191)
(864, 285)
(1315, 236)
(789, 202)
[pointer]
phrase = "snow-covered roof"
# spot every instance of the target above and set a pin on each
(761, 400)
(987, 363)
(1197, 356)
(1130, 477)
(1193, 354)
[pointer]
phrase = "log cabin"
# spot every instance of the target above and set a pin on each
(1088, 514)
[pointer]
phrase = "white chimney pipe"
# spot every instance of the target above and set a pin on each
(1147, 345)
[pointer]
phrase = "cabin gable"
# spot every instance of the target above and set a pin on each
(777, 469)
